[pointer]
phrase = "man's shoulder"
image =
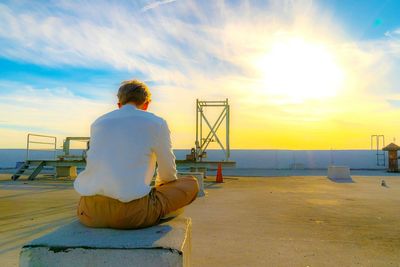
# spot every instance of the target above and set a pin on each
(118, 113)
(107, 115)
(154, 117)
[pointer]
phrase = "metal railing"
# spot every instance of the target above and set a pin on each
(49, 141)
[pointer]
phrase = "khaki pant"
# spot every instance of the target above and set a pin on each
(105, 212)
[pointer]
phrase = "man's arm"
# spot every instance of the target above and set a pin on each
(165, 156)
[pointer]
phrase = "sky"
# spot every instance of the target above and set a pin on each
(298, 74)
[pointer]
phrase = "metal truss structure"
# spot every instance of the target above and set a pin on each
(211, 130)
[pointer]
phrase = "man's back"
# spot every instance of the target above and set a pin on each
(124, 147)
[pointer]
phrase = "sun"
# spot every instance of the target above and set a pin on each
(298, 70)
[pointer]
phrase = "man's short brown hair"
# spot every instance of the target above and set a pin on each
(133, 91)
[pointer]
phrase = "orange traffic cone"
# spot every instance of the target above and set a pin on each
(219, 178)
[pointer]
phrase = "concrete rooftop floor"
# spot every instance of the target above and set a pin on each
(286, 221)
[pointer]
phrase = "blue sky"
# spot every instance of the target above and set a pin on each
(365, 20)
(61, 61)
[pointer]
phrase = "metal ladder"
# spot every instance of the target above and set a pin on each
(25, 168)
(377, 140)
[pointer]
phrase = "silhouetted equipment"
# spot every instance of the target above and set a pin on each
(377, 143)
(393, 158)
(192, 155)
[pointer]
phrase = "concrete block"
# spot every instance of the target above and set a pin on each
(166, 244)
(66, 171)
(200, 179)
(339, 173)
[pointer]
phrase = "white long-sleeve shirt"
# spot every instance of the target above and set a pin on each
(125, 145)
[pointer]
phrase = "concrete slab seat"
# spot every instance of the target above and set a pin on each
(340, 174)
(166, 244)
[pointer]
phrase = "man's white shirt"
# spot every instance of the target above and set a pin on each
(125, 145)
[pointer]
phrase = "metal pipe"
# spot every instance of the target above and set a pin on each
(201, 128)
(212, 101)
(197, 123)
(39, 149)
(228, 150)
(46, 143)
(41, 135)
(27, 147)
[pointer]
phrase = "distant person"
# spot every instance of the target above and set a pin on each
(125, 145)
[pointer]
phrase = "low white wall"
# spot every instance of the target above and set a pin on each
(291, 159)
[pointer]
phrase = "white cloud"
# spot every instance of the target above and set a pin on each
(156, 4)
(395, 34)
(190, 49)
(50, 111)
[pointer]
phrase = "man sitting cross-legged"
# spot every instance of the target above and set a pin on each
(125, 145)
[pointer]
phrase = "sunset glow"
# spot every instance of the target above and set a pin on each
(299, 70)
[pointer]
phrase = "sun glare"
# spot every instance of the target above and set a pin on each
(297, 70)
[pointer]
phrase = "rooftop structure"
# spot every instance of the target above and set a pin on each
(392, 149)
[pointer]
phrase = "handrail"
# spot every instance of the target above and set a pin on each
(28, 142)
(41, 135)
(33, 142)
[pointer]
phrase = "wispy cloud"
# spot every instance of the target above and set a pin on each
(395, 34)
(56, 111)
(188, 49)
(156, 4)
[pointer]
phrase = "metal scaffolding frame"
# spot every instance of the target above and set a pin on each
(203, 143)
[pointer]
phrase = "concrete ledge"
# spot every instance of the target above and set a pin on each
(339, 173)
(166, 244)
(200, 179)
(66, 171)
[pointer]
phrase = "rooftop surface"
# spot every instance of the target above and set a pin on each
(285, 221)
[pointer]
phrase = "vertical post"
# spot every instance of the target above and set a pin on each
(55, 147)
(372, 141)
(27, 147)
(377, 150)
(201, 126)
(197, 123)
(55, 157)
(66, 146)
(384, 154)
(294, 160)
(227, 118)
